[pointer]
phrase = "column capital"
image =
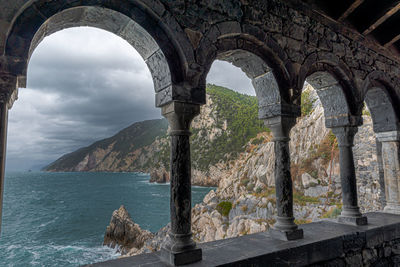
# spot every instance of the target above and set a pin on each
(280, 126)
(179, 116)
(391, 136)
(345, 135)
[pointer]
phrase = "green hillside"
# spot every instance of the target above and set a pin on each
(144, 145)
(241, 114)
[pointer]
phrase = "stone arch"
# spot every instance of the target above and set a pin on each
(334, 85)
(378, 95)
(259, 57)
(135, 22)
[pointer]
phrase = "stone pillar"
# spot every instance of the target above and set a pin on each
(284, 228)
(351, 212)
(8, 85)
(391, 169)
(382, 196)
(180, 249)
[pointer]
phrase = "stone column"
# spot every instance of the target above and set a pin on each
(391, 169)
(382, 196)
(284, 228)
(8, 85)
(351, 212)
(180, 248)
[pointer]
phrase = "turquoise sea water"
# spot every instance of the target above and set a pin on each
(59, 219)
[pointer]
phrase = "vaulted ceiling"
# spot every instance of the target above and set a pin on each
(378, 19)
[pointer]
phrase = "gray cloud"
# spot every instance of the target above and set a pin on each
(85, 84)
(225, 74)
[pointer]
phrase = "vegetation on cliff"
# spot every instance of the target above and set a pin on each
(240, 114)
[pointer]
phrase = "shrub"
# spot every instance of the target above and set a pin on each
(224, 207)
(365, 111)
(307, 103)
(244, 181)
(257, 141)
(258, 190)
(250, 187)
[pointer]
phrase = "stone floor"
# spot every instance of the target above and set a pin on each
(323, 241)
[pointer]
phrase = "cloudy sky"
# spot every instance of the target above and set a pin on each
(85, 84)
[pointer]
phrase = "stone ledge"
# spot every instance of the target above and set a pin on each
(323, 241)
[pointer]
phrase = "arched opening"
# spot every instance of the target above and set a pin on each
(234, 134)
(333, 98)
(28, 35)
(380, 114)
(317, 168)
(113, 22)
(247, 194)
(381, 109)
(84, 84)
(145, 30)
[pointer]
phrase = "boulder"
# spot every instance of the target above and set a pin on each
(316, 191)
(123, 233)
(308, 181)
(160, 176)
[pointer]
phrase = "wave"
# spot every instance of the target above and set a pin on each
(57, 255)
(199, 186)
(142, 174)
(49, 222)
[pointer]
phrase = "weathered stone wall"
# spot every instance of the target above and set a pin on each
(192, 34)
(370, 191)
(370, 252)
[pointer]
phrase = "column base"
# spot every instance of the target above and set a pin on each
(395, 209)
(181, 258)
(362, 220)
(286, 235)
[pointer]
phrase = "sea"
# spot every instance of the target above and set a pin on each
(59, 219)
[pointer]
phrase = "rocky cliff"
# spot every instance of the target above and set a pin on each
(220, 132)
(244, 201)
(132, 149)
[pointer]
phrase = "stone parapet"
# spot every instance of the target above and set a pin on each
(327, 244)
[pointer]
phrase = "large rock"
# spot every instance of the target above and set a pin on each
(124, 233)
(152, 244)
(308, 181)
(160, 176)
(316, 191)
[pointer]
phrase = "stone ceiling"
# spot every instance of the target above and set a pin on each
(378, 20)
